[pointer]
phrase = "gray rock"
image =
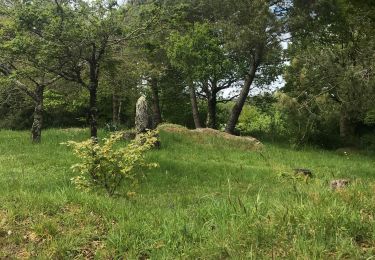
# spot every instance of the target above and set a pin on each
(339, 184)
(141, 115)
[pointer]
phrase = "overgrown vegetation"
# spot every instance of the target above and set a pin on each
(296, 73)
(188, 58)
(107, 166)
(208, 199)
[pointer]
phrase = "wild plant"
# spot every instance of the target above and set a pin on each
(109, 164)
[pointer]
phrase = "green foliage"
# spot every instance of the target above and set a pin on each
(175, 105)
(15, 109)
(368, 141)
(370, 118)
(120, 49)
(107, 166)
(199, 54)
(254, 121)
(332, 64)
(53, 100)
(301, 123)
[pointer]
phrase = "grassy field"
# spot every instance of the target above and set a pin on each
(209, 199)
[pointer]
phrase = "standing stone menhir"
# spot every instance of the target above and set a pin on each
(141, 115)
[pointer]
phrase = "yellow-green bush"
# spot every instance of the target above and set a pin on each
(108, 165)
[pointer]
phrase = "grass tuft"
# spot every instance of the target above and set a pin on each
(211, 198)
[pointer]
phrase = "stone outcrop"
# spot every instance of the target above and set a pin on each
(141, 115)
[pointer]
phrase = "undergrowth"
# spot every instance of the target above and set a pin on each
(208, 199)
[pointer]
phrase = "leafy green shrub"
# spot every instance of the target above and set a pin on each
(370, 118)
(301, 120)
(253, 121)
(108, 165)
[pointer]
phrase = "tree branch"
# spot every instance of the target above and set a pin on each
(229, 99)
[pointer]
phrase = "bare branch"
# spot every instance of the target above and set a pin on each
(229, 99)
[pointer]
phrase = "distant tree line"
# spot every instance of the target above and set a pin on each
(199, 63)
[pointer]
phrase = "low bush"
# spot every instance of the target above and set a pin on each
(109, 165)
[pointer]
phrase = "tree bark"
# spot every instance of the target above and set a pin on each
(238, 106)
(93, 89)
(115, 109)
(36, 128)
(156, 113)
(346, 127)
(194, 106)
(119, 112)
(211, 111)
(93, 110)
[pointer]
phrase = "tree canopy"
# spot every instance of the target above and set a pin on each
(199, 63)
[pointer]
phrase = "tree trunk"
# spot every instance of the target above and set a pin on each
(346, 127)
(115, 109)
(194, 106)
(156, 114)
(211, 111)
(36, 128)
(119, 112)
(93, 89)
(238, 106)
(93, 110)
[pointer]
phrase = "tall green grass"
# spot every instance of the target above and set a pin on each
(209, 199)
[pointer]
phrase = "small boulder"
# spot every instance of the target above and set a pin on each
(339, 184)
(304, 172)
